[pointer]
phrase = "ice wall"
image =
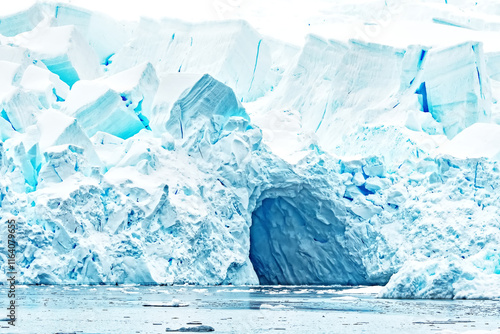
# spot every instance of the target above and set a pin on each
(169, 152)
(455, 81)
(232, 52)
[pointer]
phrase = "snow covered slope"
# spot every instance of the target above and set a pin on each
(164, 151)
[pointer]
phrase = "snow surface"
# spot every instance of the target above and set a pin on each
(167, 151)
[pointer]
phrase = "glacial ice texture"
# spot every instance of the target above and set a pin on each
(162, 152)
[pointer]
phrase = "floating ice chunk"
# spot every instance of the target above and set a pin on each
(368, 290)
(478, 140)
(173, 303)
(273, 307)
(192, 329)
(346, 298)
(301, 291)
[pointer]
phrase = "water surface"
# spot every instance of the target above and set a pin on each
(229, 309)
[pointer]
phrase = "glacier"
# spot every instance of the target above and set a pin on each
(171, 152)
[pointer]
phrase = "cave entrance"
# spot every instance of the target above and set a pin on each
(298, 241)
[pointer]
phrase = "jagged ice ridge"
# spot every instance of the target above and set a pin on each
(161, 152)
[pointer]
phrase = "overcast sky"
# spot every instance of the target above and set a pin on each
(396, 22)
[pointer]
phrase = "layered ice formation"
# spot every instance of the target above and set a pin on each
(161, 152)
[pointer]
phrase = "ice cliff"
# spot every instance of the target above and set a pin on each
(162, 152)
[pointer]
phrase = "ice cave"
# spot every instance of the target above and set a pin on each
(299, 240)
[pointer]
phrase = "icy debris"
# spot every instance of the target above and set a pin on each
(9, 71)
(373, 290)
(364, 208)
(374, 184)
(450, 277)
(21, 102)
(197, 329)
(173, 303)
(273, 307)
(167, 141)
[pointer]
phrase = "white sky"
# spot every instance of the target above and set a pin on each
(291, 20)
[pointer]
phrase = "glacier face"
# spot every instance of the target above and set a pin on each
(169, 152)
